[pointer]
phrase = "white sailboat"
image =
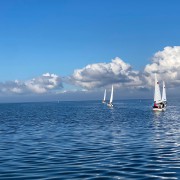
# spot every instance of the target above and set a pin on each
(104, 100)
(158, 105)
(164, 99)
(111, 98)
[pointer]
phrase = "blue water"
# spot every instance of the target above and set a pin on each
(88, 140)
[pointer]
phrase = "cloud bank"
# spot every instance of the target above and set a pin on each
(97, 76)
(165, 63)
(42, 84)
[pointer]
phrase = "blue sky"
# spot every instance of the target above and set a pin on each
(59, 36)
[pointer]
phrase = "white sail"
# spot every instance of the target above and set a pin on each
(111, 98)
(164, 93)
(157, 93)
(104, 95)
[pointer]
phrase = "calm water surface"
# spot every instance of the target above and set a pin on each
(88, 140)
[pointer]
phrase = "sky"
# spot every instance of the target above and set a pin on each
(74, 49)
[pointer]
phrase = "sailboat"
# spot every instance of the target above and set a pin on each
(104, 100)
(164, 100)
(158, 104)
(111, 98)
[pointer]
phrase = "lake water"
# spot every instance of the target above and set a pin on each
(88, 140)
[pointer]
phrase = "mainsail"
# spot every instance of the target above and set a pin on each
(164, 93)
(104, 95)
(157, 93)
(111, 98)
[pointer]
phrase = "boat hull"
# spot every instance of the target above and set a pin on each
(110, 105)
(159, 109)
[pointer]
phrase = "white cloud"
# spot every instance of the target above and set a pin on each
(41, 84)
(103, 74)
(16, 90)
(166, 64)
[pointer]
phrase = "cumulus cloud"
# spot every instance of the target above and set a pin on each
(166, 64)
(39, 85)
(43, 83)
(102, 74)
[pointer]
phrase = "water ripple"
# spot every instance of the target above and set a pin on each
(87, 140)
